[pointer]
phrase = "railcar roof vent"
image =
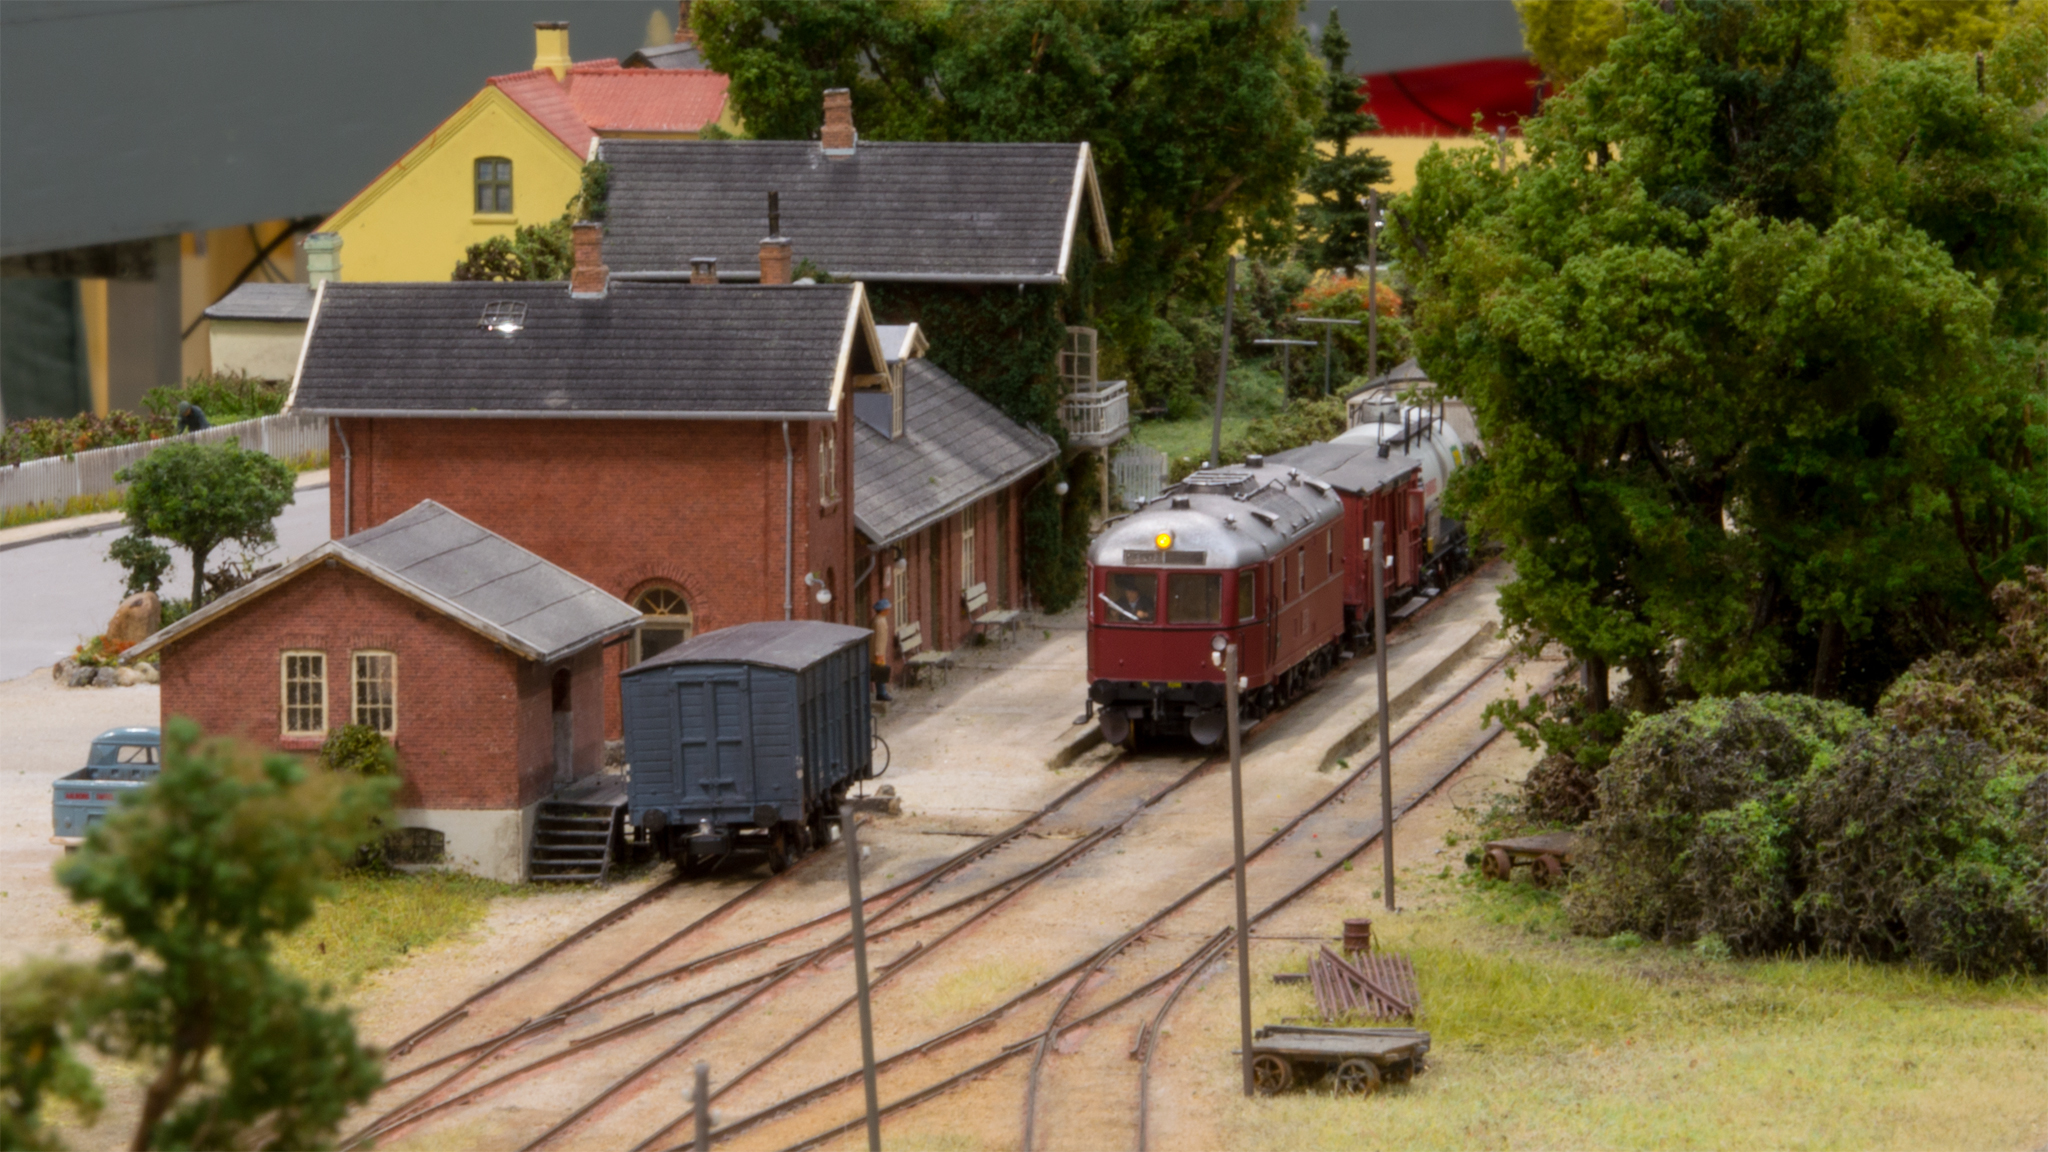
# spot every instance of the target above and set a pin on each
(1265, 517)
(1181, 502)
(1219, 481)
(1255, 461)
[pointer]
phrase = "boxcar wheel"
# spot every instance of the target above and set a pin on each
(1498, 865)
(1358, 1077)
(780, 850)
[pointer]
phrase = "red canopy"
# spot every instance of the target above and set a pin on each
(1440, 101)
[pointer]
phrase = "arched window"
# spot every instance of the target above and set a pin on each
(664, 621)
(493, 184)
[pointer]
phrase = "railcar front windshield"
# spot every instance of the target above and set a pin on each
(1194, 598)
(1131, 598)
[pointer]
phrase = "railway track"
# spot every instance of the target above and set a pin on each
(1172, 974)
(580, 1024)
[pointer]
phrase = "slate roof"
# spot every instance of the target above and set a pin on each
(987, 213)
(283, 302)
(956, 448)
(598, 96)
(790, 644)
(734, 351)
(460, 570)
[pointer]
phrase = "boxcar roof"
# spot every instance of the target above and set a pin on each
(1348, 467)
(789, 644)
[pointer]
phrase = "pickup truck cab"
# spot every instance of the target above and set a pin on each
(121, 760)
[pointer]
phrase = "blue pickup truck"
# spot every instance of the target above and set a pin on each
(121, 761)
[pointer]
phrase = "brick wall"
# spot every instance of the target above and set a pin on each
(939, 606)
(473, 731)
(627, 503)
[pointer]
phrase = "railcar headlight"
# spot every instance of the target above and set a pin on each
(1163, 541)
(1218, 642)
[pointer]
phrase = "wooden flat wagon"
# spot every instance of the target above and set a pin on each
(1356, 1060)
(1548, 857)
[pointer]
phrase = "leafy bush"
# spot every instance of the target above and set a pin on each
(1304, 422)
(358, 749)
(532, 252)
(145, 560)
(1998, 694)
(100, 652)
(225, 398)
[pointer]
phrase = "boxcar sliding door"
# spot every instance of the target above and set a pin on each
(715, 738)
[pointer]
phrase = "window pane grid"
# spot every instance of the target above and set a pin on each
(376, 683)
(493, 185)
(1194, 598)
(305, 692)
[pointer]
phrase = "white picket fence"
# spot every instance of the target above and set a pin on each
(1139, 472)
(55, 479)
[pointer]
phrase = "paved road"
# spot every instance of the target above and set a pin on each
(56, 593)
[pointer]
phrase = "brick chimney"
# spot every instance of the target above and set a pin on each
(551, 47)
(589, 276)
(323, 257)
(703, 270)
(683, 33)
(838, 137)
(775, 263)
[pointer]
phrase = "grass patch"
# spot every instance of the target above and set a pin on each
(376, 918)
(1545, 1039)
(973, 989)
(1178, 438)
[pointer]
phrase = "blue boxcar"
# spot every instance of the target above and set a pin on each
(745, 739)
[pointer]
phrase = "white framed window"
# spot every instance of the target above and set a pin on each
(665, 621)
(828, 467)
(967, 525)
(1077, 360)
(376, 691)
(304, 677)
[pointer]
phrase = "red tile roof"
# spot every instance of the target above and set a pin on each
(1440, 101)
(599, 97)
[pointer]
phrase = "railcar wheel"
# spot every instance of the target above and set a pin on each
(1358, 1077)
(1546, 870)
(780, 856)
(1498, 865)
(1271, 1074)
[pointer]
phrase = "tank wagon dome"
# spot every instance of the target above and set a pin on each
(1221, 518)
(788, 644)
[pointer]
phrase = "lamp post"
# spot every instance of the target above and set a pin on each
(1283, 345)
(1329, 324)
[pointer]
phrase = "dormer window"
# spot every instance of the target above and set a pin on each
(494, 185)
(503, 317)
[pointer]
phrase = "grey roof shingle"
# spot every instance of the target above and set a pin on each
(956, 448)
(264, 302)
(452, 565)
(651, 349)
(910, 211)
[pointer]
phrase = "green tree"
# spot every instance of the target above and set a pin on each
(1568, 37)
(1333, 225)
(1200, 116)
(44, 1002)
(196, 877)
(1757, 356)
(200, 496)
(532, 252)
(145, 561)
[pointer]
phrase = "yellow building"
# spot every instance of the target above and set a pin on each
(512, 156)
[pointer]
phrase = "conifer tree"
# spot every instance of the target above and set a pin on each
(1333, 227)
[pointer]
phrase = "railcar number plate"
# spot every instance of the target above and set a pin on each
(1136, 557)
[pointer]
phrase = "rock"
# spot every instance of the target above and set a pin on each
(615, 753)
(151, 674)
(80, 677)
(137, 617)
(62, 669)
(106, 677)
(127, 677)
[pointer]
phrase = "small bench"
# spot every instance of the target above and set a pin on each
(910, 639)
(976, 599)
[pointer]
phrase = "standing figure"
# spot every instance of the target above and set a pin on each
(879, 651)
(191, 417)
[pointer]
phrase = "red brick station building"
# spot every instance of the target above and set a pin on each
(539, 484)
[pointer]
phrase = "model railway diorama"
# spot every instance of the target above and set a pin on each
(1272, 555)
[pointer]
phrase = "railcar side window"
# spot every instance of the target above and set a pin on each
(1285, 584)
(1330, 549)
(1247, 602)
(1133, 598)
(1301, 561)
(1194, 598)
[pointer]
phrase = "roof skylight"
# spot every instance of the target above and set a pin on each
(503, 317)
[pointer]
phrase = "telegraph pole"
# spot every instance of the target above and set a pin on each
(1329, 323)
(860, 976)
(1244, 937)
(1223, 364)
(1379, 645)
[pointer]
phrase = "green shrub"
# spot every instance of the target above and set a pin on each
(145, 560)
(1304, 422)
(224, 397)
(358, 749)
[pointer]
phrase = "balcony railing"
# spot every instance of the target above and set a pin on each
(1099, 418)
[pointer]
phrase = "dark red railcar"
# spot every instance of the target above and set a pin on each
(1266, 555)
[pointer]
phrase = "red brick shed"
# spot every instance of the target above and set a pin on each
(480, 661)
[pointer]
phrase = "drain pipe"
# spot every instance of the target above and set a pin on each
(788, 524)
(348, 472)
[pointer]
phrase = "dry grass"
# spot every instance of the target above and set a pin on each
(977, 986)
(1545, 1040)
(376, 918)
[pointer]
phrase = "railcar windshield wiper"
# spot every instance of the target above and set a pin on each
(1127, 613)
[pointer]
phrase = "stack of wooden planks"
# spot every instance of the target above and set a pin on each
(1376, 985)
